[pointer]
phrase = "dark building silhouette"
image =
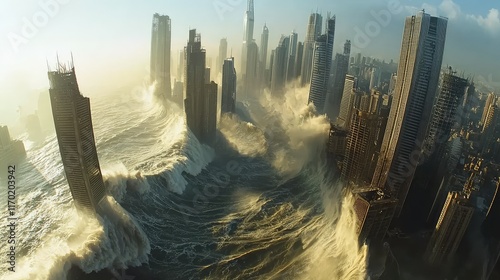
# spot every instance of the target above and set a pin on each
(201, 97)
(322, 60)
(160, 55)
(228, 102)
(73, 123)
(279, 66)
(313, 31)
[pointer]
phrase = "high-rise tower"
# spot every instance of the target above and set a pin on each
(248, 25)
(313, 31)
(418, 73)
(73, 123)
(321, 67)
(228, 102)
(264, 42)
(278, 76)
(160, 55)
(292, 56)
(339, 71)
(222, 55)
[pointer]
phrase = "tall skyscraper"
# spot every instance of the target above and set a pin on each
(313, 31)
(201, 97)
(264, 42)
(73, 123)
(419, 67)
(160, 55)
(374, 78)
(340, 68)
(298, 61)
(228, 104)
(250, 79)
(222, 55)
(321, 67)
(444, 111)
(348, 98)
(489, 100)
(180, 66)
(451, 226)
(248, 26)
(278, 77)
(292, 57)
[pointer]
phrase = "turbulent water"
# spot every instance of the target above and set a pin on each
(261, 205)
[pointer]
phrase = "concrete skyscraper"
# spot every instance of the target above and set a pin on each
(489, 100)
(201, 97)
(264, 42)
(321, 67)
(222, 55)
(73, 123)
(248, 25)
(160, 55)
(313, 31)
(339, 71)
(278, 76)
(292, 57)
(348, 98)
(228, 104)
(418, 74)
(250, 79)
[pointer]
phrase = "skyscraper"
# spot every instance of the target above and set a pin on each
(264, 42)
(250, 79)
(339, 71)
(313, 31)
(248, 26)
(348, 99)
(278, 76)
(489, 100)
(228, 102)
(222, 55)
(201, 97)
(321, 67)
(451, 226)
(292, 56)
(160, 55)
(419, 67)
(298, 62)
(73, 123)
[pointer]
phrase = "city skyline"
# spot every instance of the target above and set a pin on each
(478, 21)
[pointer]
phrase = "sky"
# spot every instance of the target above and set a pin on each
(110, 39)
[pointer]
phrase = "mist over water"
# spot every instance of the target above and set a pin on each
(175, 204)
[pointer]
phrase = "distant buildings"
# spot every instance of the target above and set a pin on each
(228, 102)
(200, 104)
(323, 49)
(11, 151)
(160, 55)
(222, 55)
(73, 123)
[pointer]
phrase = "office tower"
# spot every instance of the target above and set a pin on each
(271, 67)
(419, 67)
(366, 132)
(160, 55)
(228, 102)
(292, 57)
(313, 31)
(178, 93)
(444, 111)
(321, 67)
(374, 78)
(247, 35)
(340, 68)
(298, 61)
(452, 224)
(200, 96)
(489, 100)
(278, 78)
(348, 99)
(250, 79)
(337, 138)
(374, 211)
(264, 42)
(73, 123)
(490, 122)
(222, 55)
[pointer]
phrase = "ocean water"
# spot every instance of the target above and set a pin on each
(262, 205)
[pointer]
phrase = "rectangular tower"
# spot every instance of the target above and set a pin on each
(160, 55)
(228, 102)
(418, 73)
(73, 123)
